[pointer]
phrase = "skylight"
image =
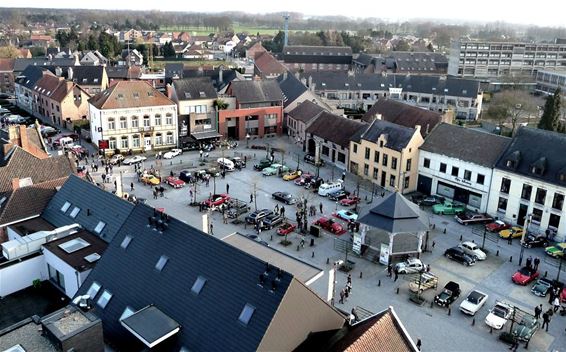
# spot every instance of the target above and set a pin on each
(161, 263)
(246, 314)
(127, 313)
(65, 207)
(75, 212)
(126, 242)
(91, 258)
(74, 245)
(198, 285)
(99, 227)
(104, 299)
(93, 290)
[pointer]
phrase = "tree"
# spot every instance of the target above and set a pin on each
(92, 43)
(168, 50)
(9, 52)
(402, 45)
(220, 104)
(430, 48)
(511, 104)
(550, 119)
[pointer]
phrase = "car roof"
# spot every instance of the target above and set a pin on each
(476, 293)
(413, 260)
(469, 243)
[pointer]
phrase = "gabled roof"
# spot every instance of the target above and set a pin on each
(420, 62)
(267, 65)
(291, 87)
(231, 281)
(88, 75)
(228, 75)
(30, 76)
(334, 128)
(256, 91)
(317, 50)
(404, 115)
(194, 88)
(125, 94)
(98, 206)
(396, 214)
(466, 144)
(123, 72)
(398, 137)
(174, 69)
(306, 111)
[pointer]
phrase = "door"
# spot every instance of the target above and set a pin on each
(147, 143)
(522, 214)
(424, 184)
(383, 176)
(333, 155)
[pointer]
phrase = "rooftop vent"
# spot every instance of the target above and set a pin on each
(91, 258)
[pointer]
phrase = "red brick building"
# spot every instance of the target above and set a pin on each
(258, 110)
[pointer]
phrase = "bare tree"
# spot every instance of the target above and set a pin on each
(510, 105)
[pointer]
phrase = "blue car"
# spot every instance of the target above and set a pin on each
(347, 215)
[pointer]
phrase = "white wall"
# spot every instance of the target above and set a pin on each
(18, 276)
(71, 284)
(95, 123)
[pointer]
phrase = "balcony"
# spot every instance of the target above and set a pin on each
(146, 129)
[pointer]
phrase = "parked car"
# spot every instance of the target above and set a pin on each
(216, 200)
(48, 131)
(338, 195)
(172, 153)
(175, 182)
(430, 200)
(305, 178)
(557, 250)
(471, 218)
(237, 207)
(497, 226)
(272, 221)
(292, 175)
(284, 197)
(448, 208)
(411, 265)
(257, 215)
(349, 201)
(238, 162)
(498, 315)
(186, 176)
(330, 225)
(225, 164)
(457, 254)
(262, 165)
(513, 232)
(116, 158)
(134, 160)
(526, 328)
(423, 282)
(286, 228)
(532, 240)
(472, 249)
(473, 302)
(524, 275)
(275, 169)
(449, 294)
(212, 171)
(541, 287)
(311, 160)
(346, 215)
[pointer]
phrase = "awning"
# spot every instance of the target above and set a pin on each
(205, 135)
(151, 326)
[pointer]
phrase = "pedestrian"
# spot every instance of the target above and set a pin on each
(346, 294)
(551, 296)
(201, 153)
(282, 211)
(131, 186)
(349, 287)
(538, 311)
(227, 188)
(191, 193)
(428, 268)
(251, 198)
(510, 240)
(536, 262)
(342, 294)
(303, 242)
(154, 194)
(207, 182)
(103, 178)
(106, 168)
(545, 320)
(419, 343)
(343, 176)
(320, 207)
(514, 344)
(396, 275)
(529, 262)
(211, 229)
(225, 217)
(349, 279)
(276, 209)
(389, 270)
(556, 304)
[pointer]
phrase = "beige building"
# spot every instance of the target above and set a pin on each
(388, 155)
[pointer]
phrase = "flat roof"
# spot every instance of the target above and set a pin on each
(26, 334)
(28, 227)
(76, 258)
(299, 269)
(67, 321)
(151, 326)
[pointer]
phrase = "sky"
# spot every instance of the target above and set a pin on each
(543, 13)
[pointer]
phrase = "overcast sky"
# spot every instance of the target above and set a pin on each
(545, 13)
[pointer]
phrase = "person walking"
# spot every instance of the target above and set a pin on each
(342, 294)
(154, 194)
(545, 320)
(346, 294)
(349, 279)
(396, 276)
(320, 207)
(538, 311)
(211, 229)
(536, 263)
(282, 211)
(556, 304)
(514, 344)
(228, 188)
(510, 240)
(251, 198)
(529, 262)
(389, 270)
(131, 186)
(225, 217)
(276, 210)
(343, 176)
(419, 343)
(103, 178)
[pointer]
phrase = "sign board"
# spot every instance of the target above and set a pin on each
(103, 144)
(395, 90)
(384, 254)
(357, 246)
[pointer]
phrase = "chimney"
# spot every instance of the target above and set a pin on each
(310, 81)
(58, 71)
(15, 183)
(285, 75)
(70, 73)
(220, 75)
(24, 143)
(297, 75)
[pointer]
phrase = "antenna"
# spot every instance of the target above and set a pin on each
(286, 17)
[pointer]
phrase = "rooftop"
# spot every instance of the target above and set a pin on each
(81, 259)
(125, 94)
(397, 136)
(194, 88)
(27, 227)
(336, 129)
(28, 335)
(256, 91)
(306, 111)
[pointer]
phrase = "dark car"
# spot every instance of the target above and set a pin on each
(430, 200)
(284, 197)
(190, 146)
(338, 195)
(458, 255)
(262, 165)
(542, 287)
(473, 218)
(258, 215)
(237, 207)
(186, 175)
(532, 240)
(311, 160)
(449, 294)
(272, 221)
(238, 162)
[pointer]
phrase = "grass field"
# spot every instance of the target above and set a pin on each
(237, 28)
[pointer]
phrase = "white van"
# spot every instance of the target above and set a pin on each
(225, 164)
(66, 142)
(327, 188)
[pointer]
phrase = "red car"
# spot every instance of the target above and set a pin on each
(330, 225)
(216, 200)
(497, 226)
(350, 200)
(305, 177)
(524, 275)
(174, 182)
(286, 229)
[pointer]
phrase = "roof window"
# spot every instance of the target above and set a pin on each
(98, 229)
(74, 245)
(65, 207)
(161, 263)
(93, 290)
(198, 285)
(246, 314)
(75, 212)
(104, 299)
(91, 258)
(126, 242)
(128, 312)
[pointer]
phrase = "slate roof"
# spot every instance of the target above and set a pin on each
(125, 94)
(210, 318)
(419, 62)
(317, 54)
(398, 137)
(98, 206)
(173, 70)
(76, 259)
(396, 214)
(466, 144)
(30, 76)
(194, 88)
(334, 128)
(364, 59)
(267, 65)
(306, 111)
(529, 147)
(228, 75)
(291, 87)
(404, 115)
(123, 72)
(256, 91)
(88, 75)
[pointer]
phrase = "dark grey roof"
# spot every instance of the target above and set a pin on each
(21, 64)
(87, 75)
(228, 75)
(174, 69)
(291, 87)
(419, 62)
(317, 54)
(117, 72)
(528, 149)
(466, 144)
(306, 111)
(210, 319)
(364, 59)
(256, 91)
(396, 214)
(95, 205)
(30, 76)
(334, 128)
(194, 88)
(151, 324)
(437, 85)
(397, 136)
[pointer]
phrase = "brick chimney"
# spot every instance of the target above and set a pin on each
(15, 183)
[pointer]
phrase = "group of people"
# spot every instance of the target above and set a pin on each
(346, 291)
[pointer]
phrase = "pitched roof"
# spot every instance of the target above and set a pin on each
(87, 75)
(174, 70)
(291, 87)
(404, 115)
(30, 76)
(425, 62)
(334, 128)
(98, 206)
(466, 144)
(194, 88)
(256, 91)
(317, 50)
(125, 94)
(7, 65)
(231, 282)
(228, 75)
(532, 148)
(266, 64)
(398, 137)
(396, 214)
(123, 72)
(306, 111)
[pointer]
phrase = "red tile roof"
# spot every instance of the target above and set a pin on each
(266, 64)
(127, 94)
(7, 65)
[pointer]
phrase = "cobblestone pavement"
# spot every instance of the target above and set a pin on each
(438, 330)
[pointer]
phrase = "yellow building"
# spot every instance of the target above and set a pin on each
(388, 155)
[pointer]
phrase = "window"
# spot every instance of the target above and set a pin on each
(505, 185)
(384, 160)
(376, 157)
(375, 173)
(99, 227)
(408, 165)
(168, 119)
(480, 179)
(104, 299)
(112, 143)
(392, 181)
(341, 158)
(123, 123)
(111, 124)
(157, 119)
(394, 163)
(129, 311)
(355, 148)
(75, 212)
(170, 138)
(56, 276)
(124, 142)
(558, 201)
(467, 175)
(93, 290)
(502, 205)
(126, 242)
(537, 216)
(198, 285)
(135, 122)
(455, 171)
(426, 163)
(161, 263)
(443, 168)
(367, 154)
(246, 314)
(146, 121)
(526, 192)
(540, 197)
(158, 139)
(136, 141)
(65, 207)
(406, 182)
(366, 169)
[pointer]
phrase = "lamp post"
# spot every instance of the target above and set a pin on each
(528, 221)
(247, 140)
(247, 131)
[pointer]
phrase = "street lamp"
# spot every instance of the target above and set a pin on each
(528, 221)
(247, 140)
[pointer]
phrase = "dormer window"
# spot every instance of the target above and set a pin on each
(539, 166)
(510, 163)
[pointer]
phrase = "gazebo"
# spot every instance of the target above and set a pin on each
(395, 224)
